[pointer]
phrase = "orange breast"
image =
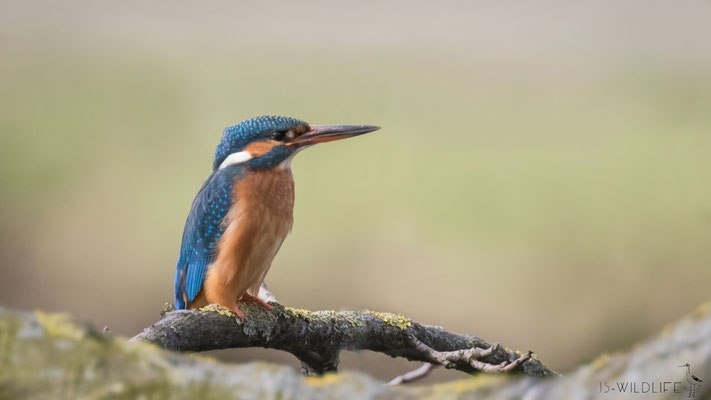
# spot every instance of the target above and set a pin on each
(257, 224)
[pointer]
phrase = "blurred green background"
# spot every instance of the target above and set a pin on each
(541, 178)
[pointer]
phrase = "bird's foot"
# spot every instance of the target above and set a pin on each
(237, 311)
(248, 298)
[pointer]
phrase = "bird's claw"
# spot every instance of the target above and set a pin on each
(248, 298)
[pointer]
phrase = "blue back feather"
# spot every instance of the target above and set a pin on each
(203, 230)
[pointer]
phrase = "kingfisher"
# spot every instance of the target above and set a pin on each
(244, 210)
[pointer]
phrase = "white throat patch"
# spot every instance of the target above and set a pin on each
(236, 158)
(286, 164)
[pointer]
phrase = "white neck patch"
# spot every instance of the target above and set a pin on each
(286, 164)
(236, 158)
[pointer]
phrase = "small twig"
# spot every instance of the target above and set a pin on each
(501, 367)
(415, 375)
(472, 357)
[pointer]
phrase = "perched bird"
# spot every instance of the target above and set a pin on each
(244, 210)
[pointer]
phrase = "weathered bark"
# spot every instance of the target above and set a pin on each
(317, 338)
(47, 356)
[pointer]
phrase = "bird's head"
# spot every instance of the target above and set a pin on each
(268, 141)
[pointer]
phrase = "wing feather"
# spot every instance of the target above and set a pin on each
(202, 233)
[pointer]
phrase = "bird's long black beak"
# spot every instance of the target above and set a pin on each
(329, 133)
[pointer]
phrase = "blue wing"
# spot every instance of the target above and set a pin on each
(203, 230)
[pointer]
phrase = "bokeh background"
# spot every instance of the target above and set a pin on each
(541, 178)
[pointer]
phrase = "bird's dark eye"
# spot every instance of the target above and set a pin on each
(278, 135)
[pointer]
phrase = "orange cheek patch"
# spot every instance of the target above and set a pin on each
(257, 149)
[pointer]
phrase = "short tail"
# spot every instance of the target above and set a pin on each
(179, 304)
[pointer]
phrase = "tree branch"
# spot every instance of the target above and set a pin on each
(317, 337)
